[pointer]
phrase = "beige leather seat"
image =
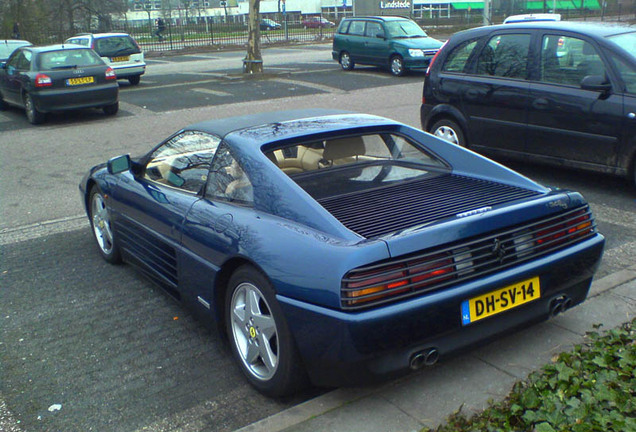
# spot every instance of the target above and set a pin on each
(343, 150)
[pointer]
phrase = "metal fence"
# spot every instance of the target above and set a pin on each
(215, 35)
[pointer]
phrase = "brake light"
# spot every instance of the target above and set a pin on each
(42, 80)
(430, 65)
(394, 279)
(557, 233)
(110, 73)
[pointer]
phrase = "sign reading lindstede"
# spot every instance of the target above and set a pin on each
(395, 4)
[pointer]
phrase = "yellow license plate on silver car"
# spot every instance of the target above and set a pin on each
(501, 300)
(120, 59)
(80, 81)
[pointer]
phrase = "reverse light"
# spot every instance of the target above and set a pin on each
(110, 73)
(43, 80)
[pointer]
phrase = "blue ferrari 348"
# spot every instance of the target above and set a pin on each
(336, 248)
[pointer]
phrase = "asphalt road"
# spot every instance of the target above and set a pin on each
(114, 352)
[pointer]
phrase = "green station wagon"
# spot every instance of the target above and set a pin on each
(387, 41)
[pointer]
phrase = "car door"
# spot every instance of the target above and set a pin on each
(495, 96)
(216, 226)
(376, 44)
(565, 121)
(15, 77)
(626, 154)
(355, 41)
(150, 207)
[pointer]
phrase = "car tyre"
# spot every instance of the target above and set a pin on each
(346, 63)
(33, 115)
(259, 335)
(449, 131)
(396, 64)
(99, 217)
(111, 109)
(134, 80)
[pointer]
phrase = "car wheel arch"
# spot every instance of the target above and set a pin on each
(440, 112)
(221, 286)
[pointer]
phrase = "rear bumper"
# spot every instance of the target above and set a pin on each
(129, 70)
(48, 100)
(340, 348)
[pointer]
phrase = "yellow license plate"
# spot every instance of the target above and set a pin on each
(120, 59)
(503, 299)
(79, 81)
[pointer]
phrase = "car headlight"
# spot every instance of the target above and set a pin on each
(416, 53)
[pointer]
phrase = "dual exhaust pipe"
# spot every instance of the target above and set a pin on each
(560, 304)
(427, 357)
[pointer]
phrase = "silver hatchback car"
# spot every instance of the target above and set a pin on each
(119, 50)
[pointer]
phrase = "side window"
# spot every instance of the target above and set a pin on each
(184, 161)
(567, 60)
(356, 28)
(627, 73)
(374, 29)
(505, 56)
(15, 60)
(458, 58)
(344, 27)
(227, 180)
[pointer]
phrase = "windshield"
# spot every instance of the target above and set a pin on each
(115, 46)
(68, 59)
(404, 29)
(627, 41)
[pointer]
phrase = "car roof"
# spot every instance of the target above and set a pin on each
(99, 35)
(56, 47)
(14, 42)
(587, 28)
(382, 17)
(266, 127)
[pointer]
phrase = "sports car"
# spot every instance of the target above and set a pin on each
(338, 248)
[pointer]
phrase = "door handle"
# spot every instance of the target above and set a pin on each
(540, 103)
(472, 93)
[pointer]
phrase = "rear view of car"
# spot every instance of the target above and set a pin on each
(119, 50)
(57, 78)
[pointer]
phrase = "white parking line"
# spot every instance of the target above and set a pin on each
(212, 92)
(315, 86)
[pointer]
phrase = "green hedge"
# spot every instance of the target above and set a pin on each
(590, 389)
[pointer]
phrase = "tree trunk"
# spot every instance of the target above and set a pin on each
(253, 62)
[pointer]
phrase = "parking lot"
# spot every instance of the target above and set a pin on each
(102, 342)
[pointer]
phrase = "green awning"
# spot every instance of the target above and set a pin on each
(466, 5)
(560, 4)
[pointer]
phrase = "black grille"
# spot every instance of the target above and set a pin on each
(376, 212)
(157, 256)
(450, 264)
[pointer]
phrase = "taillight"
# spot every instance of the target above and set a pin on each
(393, 279)
(110, 73)
(554, 233)
(42, 80)
(430, 65)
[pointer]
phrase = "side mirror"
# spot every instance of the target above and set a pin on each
(3, 65)
(118, 164)
(597, 83)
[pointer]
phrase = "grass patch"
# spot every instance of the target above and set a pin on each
(589, 389)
